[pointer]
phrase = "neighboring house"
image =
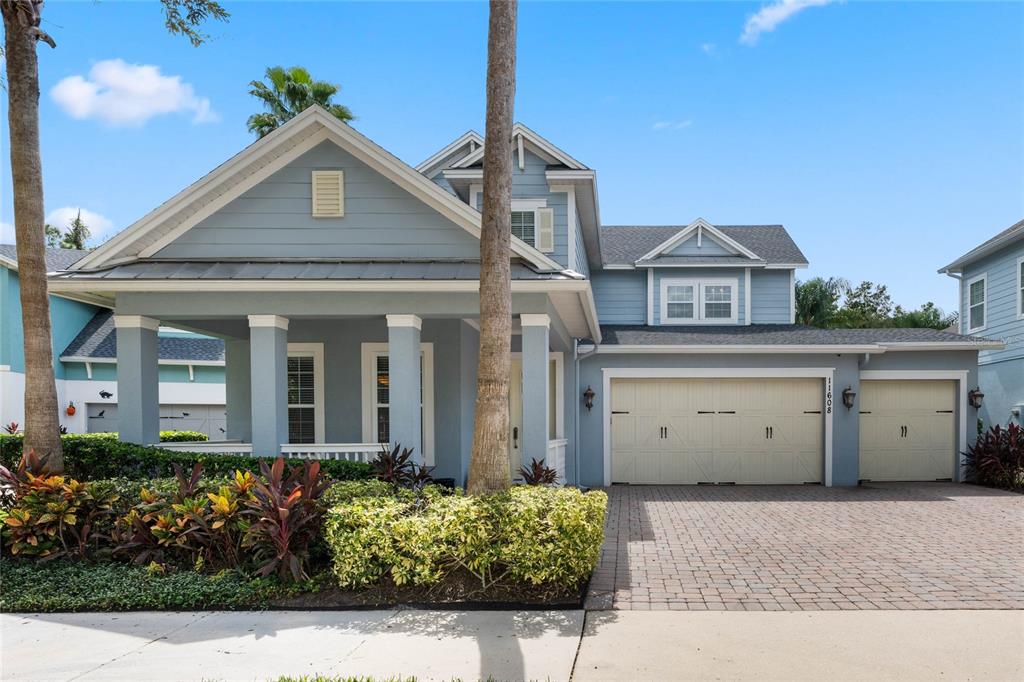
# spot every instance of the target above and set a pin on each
(991, 280)
(345, 286)
(191, 372)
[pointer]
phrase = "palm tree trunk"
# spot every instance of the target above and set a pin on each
(488, 465)
(42, 425)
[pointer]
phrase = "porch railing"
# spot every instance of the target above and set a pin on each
(556, 457)
(352, 452)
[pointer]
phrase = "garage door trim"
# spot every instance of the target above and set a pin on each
(958, 375)
(609, 373)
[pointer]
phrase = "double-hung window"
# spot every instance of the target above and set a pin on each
(977, 295)
(534, 223)
(699, 301)
(524, 226)
(305, 393)
(376, 396)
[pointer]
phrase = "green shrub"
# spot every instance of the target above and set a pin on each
(529, 535)
(182, 436)
(35, 586)
(90, 456)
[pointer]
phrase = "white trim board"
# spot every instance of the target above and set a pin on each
(368, 403)
(699, 226)
(610, 373)
(958, 375)
(461, 141)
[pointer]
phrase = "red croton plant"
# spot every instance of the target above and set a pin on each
(997, 458)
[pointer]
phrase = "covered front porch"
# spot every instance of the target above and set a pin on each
(305, 381)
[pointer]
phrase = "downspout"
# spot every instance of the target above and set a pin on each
(576, 357)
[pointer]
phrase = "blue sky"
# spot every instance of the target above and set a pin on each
(888, 137)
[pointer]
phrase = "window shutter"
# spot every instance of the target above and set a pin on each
(545, 230)
(328, 194)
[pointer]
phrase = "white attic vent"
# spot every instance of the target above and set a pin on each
(328, 194)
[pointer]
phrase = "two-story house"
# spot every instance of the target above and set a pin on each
(991, 278)
(191, 377)
(344, 284)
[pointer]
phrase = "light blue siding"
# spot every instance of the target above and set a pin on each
(1001, 313)
(736, 274)
(66, 319)
(1001, 371)
(274, 219)
(580, 264)
(620, 296)
(770, 296)
(708, 247)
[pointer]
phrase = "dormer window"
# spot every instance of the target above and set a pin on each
(523, 226)
(699, 301)
(534, 223)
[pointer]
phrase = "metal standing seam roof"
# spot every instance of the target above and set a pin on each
(772, 334)
(98, 339)
(625, 244)
(303, 270)
(56, 259)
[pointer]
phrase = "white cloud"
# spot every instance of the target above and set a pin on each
(100, 227)
(671, 125)
(766, 19)
(707, 48)
(122, 94)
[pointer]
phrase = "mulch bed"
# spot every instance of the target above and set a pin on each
(460, 589)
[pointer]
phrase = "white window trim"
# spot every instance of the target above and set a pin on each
(1020, 288)
(528, 206)
(316, 351)
(983, 277)
(369, 353)
(698, 300)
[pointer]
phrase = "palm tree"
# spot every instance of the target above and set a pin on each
(21, 33)
(488, 465)
(289, 92)
(78, 233)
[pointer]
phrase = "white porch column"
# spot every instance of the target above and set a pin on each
(405, 390)
(238, 390)
(535, 386)
(268, 362)
(138, 379)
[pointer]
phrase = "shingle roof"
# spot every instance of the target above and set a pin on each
(98, 339)
(304, 270)
(772, 334)
(1007, 236)
(56, 259)
(624, 244)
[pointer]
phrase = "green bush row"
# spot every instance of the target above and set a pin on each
(41, 586)
(530, 534)
(89, 456)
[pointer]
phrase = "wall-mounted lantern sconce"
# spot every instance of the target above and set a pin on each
(848, 397)
(588, 398)
(974, 397)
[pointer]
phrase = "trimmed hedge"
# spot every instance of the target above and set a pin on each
(48, 586)
(182, 436)
(89, 456)
(530, 535)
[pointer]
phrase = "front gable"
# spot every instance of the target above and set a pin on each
(262, 160)
(275, 219)
(699, 239)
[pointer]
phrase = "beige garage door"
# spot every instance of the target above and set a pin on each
(907, 430)
(717, 430)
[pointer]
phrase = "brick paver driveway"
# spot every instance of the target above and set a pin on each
(897, 546)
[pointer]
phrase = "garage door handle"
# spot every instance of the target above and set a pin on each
(771, 432)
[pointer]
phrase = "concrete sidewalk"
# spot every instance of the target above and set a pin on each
(180, 647)
(516, 645)
(815, 645)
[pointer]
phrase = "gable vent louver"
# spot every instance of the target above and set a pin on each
(328, 194)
